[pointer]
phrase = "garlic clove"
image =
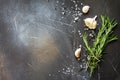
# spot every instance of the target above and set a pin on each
(77, 53)
(91, 23)
(85, 9)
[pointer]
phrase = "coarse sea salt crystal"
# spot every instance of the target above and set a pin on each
(63, 12)
(76, 18)
(57, 1)
(91, 35)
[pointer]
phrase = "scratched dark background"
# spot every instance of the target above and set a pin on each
(38, 39)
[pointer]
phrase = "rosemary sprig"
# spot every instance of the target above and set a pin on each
(104, 36)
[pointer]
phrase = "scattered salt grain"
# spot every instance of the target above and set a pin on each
(63, 3)
(58, 70)
(76, 18)
(49, 74)
(63, 12)
(57, 1)
(91, 35)
(62, 17)
(78, 31)
(81, 66)
(81, 3)
(80, 45)
(76, 5)
(86, 29)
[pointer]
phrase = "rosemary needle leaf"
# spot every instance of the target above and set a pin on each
(104, 36)
(86, 43)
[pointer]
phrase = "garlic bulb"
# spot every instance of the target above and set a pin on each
(77, 53)
(91, 23)
(85, 9)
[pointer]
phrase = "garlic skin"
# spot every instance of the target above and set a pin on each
(85, 9)
(77, 53)
(91, 23)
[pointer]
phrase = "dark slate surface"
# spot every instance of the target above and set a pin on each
(38, 39)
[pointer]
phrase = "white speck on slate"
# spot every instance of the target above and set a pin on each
(49, 74)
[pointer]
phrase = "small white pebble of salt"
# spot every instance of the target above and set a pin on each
(81, 3)
(62, 17)
(76, 18)
(63, 3)
(49, 74)
(57, 1)
(86, 28)
(81, 66)
(80, 34)
(74, 21)
(76, 5)
(80, 14)
(78, 31)
(80, 45)
(63, 12)
(58, 70)
(73, 1)
(91, 35)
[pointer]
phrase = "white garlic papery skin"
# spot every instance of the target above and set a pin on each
(91, 23)
(77, 53)
(85, 9)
